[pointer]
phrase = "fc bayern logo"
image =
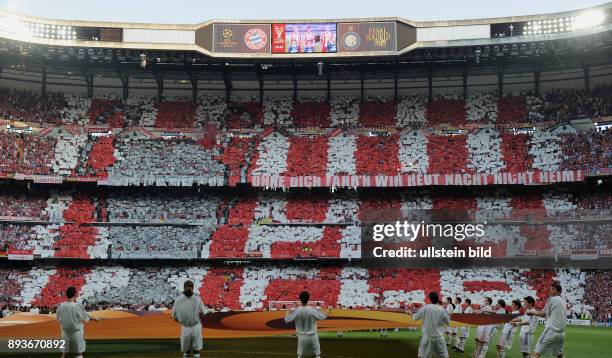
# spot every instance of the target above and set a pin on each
(255, 39)
(351, 40)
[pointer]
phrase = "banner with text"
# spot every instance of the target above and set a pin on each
(412, 180)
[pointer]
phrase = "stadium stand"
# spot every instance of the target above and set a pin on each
(153, 225)
(482, 108)
(278, 154)
(154, 162)
(27, 106)
(31, 154)
(107, 112)
(311, 112)
(377, 112)
(123, 158)
(555, 106)
(446, 109)
(175, 114)
(411, 112)
(252, 287)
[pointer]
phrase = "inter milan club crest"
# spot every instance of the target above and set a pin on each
(255, 39)
(351, 41)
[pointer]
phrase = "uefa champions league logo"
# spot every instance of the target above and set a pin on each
(227, 35)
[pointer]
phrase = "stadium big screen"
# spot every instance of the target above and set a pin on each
(304, 38)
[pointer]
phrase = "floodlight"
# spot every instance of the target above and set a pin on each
(589, 19)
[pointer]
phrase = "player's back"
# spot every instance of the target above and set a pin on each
(434, 319)
(305, 319)
(71, 316)
(187, 310)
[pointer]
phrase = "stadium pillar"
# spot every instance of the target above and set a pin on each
(536, 80)
(430, 84)
(261, 84)
(43, 92)
(328, 86)
(587, 81)
(261, 90)
(395, 81)
(362, 77)
(500, 80)
(465, 83)
(295, 87)
(194, 88)
(160, 87)
(89, 82)
(125, 83)
(227, 80)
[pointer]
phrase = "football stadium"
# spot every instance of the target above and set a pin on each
(324, 187)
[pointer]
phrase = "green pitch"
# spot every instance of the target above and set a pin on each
(591, 342)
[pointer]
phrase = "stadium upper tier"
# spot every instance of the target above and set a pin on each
(253, 287)
(305, 37)
(482, 109)
(124, 224)
(519, 139)
(389, 57)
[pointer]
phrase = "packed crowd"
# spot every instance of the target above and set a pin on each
(254, 287)
(27, 154)
(597, 289)
(341, 111)
(28, 106)
(136, 224)
(22, 205)
(134, 159)
(157, 162)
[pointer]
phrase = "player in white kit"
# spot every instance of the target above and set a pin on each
(187, 311)
(464, 332)
(481, 331)
(507, 336)
(491, 329)
(555, 313)
(435, 319)
(306, 326)
(71, 316)
(528, 326)
(450, 309)
(456, 330)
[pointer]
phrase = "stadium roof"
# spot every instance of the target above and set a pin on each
(355, 37)
(226, 50)
(175, 12)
